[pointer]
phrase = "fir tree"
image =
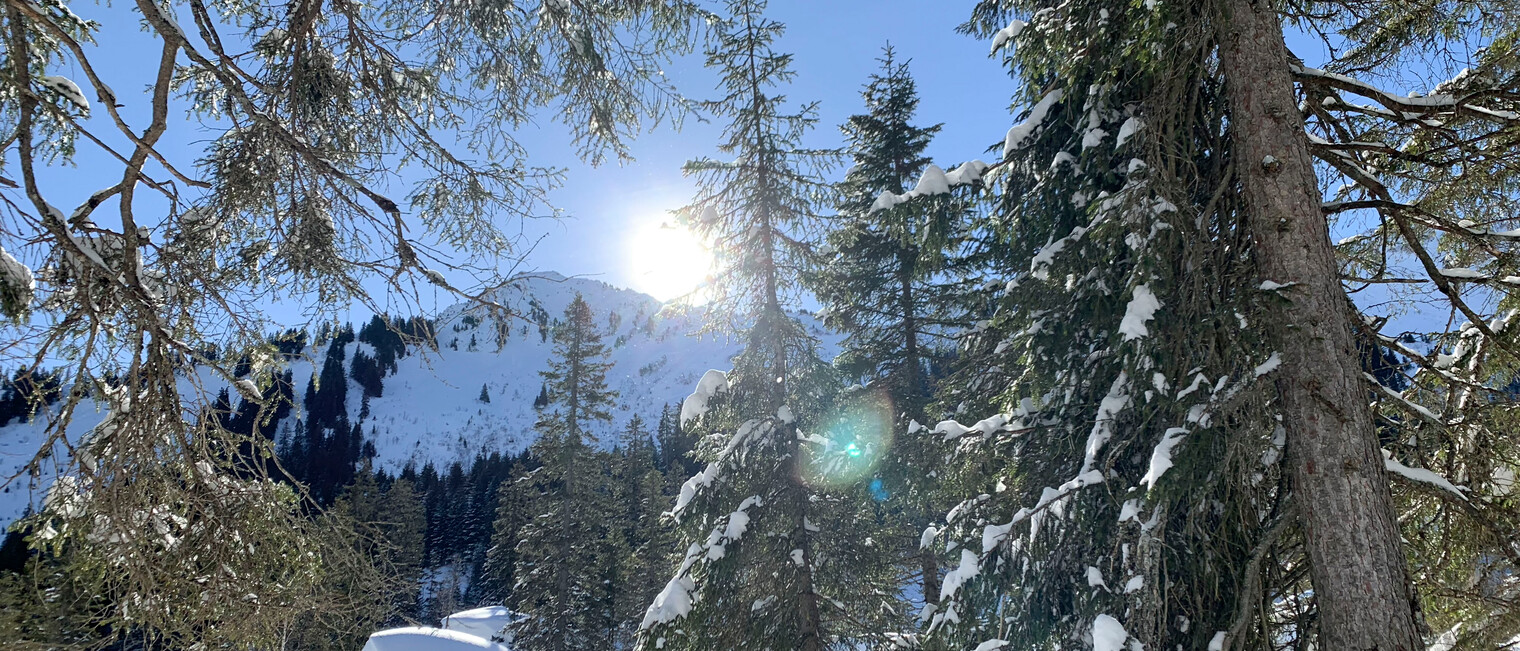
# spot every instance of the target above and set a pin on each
(565, 553)
(773, 558)
(500, 571)
(1100, 410)
(891, 288)
(403, 522)
(641, 498)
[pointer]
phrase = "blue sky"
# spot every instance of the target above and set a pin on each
(836, 46)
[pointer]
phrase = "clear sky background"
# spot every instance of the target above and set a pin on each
(836, 46)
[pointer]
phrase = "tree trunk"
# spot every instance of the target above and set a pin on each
(1345, 508)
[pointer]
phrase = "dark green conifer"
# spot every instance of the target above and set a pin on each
(773, 555)
(567, 548)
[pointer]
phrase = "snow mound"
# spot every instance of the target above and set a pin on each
(486, 623)
(423, 638)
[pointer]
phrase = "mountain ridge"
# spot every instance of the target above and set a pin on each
(429, 410)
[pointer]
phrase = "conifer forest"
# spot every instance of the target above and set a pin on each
(1065, 325)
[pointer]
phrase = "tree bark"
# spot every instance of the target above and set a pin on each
(1357, 563)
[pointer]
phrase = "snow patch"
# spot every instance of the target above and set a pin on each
(424, 638)
(1019, 134)
(1108, 634)
(713, 382)
(487, 622)
(1006, 34)
(1420, 475)
(1161, 456)
(1142, 307)
(67, 88)
(1129, 128)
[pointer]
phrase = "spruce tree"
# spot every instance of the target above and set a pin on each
(1112, 417)
(403, 523)
(499, 574)
(642, 498)
(772, 556)
(565, 552)
(1182, 425)
(891, 287)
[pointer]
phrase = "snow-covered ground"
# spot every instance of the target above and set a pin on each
(480, 629)
(430, 409)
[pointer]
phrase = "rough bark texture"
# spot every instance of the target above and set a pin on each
(1344, 504)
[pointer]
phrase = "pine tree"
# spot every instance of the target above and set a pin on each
(500, 571)
(891, 288)
(403, 522)
(485, 395)
(773, 558)
(1117, 407)
(642, 498)
(564, 556)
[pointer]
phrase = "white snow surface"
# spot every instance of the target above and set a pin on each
(934, 181)
(1161, 456)
(429, 411)
(1019, 134)
(1142, 307)
(1006, 34)
(713, 382)
(15, 273)
(1108, 634)
(486, 622)
(423, 638)
(67, 88)
(1129, 128)
(1217, 642)
(1420, 475)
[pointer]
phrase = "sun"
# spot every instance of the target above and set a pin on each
(668, 261)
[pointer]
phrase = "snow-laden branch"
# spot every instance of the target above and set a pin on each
(1403, 107)
(1421, 475)
(933, 182)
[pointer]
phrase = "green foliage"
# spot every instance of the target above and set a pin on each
(1121, 470)
(569, 544)
(775, 555)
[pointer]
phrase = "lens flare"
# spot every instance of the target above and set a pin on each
(850, 444)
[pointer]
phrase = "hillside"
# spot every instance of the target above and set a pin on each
(430, 411)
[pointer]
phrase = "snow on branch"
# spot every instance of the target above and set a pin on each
(713, 382)
(1421, 475)
(1019, 134)
(1417, 408)
(67, 89)
(1199, 415)
(676, 599)
(934, 181)
(750, 430)
(1141, 308)
(1406, 108)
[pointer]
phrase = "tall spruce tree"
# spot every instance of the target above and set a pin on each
(1117, 415)
(1173, 149)
(565, 552)
(774, 558)
(643, 497)
(891, 287)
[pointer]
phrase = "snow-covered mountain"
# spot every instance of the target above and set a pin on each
(430, 409)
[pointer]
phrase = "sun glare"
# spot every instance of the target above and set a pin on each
(669, 262)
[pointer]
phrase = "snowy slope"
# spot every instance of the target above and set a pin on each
(430, 409)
